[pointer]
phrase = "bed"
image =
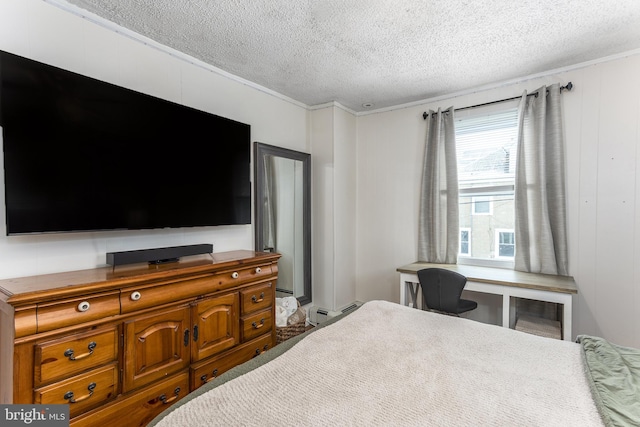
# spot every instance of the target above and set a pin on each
(387, 364)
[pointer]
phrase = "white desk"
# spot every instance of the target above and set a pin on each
(508, 283)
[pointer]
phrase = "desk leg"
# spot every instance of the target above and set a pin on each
(409, 282)
(413, 290)
(512, 312)
(567, 309)
(506, 310)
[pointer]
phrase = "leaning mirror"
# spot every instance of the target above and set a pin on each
(283, 215)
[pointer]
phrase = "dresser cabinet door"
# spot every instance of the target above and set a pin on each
(156, 345)
(215, 325)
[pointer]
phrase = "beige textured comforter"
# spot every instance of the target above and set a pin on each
(387, 364)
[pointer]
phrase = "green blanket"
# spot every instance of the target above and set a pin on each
(614, 376)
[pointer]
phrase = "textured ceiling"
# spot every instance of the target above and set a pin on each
(385, 52)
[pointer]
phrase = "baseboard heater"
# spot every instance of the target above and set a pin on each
(320, 315)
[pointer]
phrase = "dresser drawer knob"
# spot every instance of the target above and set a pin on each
(256, 326)
(135, 296)
(235, 275)
(258, 270)
(69, 395)
(70, 353)
(256, 300)
(164, 399)
(84, 306)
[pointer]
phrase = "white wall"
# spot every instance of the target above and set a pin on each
(333, 165)
(322, 250)
(345, 208)
(45, 33)
(602, 128)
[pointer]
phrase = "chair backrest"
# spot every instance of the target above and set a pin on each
(441, 288)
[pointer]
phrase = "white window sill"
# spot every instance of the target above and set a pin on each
(483, 262)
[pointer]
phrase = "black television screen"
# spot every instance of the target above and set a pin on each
(81, 154)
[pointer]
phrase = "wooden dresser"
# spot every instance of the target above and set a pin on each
(120, 345)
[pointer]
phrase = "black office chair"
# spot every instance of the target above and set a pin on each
(441, 291)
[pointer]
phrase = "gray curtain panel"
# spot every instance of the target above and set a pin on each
(540, 199)
(438, 228)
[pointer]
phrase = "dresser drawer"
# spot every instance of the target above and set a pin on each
(256, 324)
(256, 298)
(242, 275)
(208, 371)
(71, 312)
(138, 408)
(70, 355)
(25, 321)
(82, 392)
(137, 298)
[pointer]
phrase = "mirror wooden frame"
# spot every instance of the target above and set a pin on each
(260, 151)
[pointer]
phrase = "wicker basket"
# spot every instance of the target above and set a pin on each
(283, 333)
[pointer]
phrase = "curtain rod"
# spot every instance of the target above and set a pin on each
(568, 87)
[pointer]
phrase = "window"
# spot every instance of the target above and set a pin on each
(481, 205)
(465, 241)
(486, 151)
(505, 243)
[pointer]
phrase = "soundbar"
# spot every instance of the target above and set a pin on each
(157, 255)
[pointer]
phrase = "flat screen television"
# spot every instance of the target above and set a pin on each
(81, 154)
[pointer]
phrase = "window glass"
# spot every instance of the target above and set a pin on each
(481, 205)
(465, 241)
(505, 243)
(486, 151)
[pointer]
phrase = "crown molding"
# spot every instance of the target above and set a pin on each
(62, 4)
(95, 19)
(505, 83)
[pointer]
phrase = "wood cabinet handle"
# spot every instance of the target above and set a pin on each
(256, 326)
(256, 300)
(258, 270)
(259, 352)
(163, 397)
(70, 354)
(84, 306)
(235, 275)
(135, 296)
(204, 379)
(69, 395)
